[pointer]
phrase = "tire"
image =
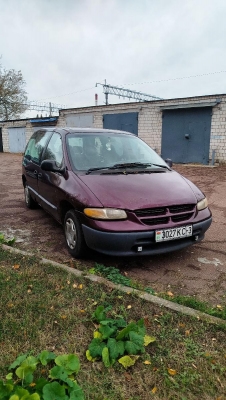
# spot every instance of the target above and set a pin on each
(73, 234)
(30, 203)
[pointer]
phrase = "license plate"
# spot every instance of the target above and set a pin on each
(173, 233)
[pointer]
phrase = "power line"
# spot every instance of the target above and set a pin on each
(67, 94)
(139, 83)
(49, 107)
(176, 79)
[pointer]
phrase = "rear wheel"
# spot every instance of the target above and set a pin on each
(73, 234)
(30, 203)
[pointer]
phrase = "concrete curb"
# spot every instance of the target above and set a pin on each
(126, 289)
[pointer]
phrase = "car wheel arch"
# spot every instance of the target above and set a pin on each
(74, 236)
(24, 180)
(66, 206)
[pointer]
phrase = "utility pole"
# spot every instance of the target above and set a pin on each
(106, 92)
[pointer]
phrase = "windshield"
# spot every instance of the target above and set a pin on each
(88, 151)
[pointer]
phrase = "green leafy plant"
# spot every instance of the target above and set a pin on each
(150, 290)
(30, 381)
(111, 273)
(3, 240)
(116, 340)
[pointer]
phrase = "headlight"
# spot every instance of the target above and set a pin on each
(202, 204)
(105, 213)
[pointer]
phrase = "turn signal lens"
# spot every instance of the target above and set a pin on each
(202, 204)
(105, 213)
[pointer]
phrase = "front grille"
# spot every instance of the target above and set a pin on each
(182, 217)
(165, 215)
(156, 221)
(183, 208)
(150, 211)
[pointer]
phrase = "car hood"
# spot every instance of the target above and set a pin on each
(143, 190)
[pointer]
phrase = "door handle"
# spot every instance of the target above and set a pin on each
(187, 136)
(39, 175)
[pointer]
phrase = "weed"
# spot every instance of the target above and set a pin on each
(3, 240)
(111, 273)
(33, 378)
(115, 338)
(114, 275)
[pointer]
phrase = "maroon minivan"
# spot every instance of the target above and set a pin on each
(112, 192)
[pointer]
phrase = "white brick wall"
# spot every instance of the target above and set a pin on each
(149, 121)
(14, 124)
(29, 130)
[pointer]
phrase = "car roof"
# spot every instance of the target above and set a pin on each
(90, 131)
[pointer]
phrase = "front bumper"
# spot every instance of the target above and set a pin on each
(128, 243)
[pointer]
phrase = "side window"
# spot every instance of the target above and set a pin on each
(54, 150)
(36, 145)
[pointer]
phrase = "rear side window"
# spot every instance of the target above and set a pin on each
(36, 145)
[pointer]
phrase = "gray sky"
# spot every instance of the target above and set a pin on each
(63, 47)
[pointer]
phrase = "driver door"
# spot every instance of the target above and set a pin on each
(50, 183)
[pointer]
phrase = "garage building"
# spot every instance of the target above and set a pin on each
(187, 130)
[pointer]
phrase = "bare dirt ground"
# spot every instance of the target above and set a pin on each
(198, 270)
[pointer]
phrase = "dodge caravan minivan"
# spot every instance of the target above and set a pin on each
(112, 192)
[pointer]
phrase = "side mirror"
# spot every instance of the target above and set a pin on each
(169, 162)
(50, 165)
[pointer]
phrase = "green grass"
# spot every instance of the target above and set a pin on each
(192, 302)
(43, 307)
(114, 275)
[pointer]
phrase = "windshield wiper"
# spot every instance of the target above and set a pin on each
(126, 165)
(95, 169)
(161, 166)
(137, 165)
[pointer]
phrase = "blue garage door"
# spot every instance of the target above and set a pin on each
(123, 122)
(186, 135)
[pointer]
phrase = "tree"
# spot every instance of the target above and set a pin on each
(13, 97)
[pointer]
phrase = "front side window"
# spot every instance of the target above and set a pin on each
(54, 150)
(36, 145)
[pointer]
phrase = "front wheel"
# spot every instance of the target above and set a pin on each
(73, 234)
(30, 203)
